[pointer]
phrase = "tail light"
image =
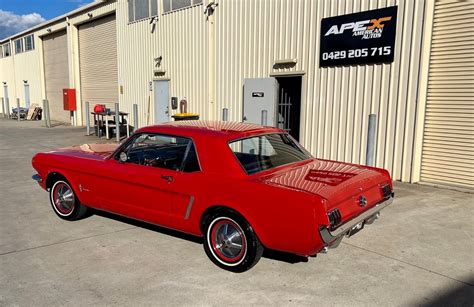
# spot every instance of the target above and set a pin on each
(334, 218)
(386, 191)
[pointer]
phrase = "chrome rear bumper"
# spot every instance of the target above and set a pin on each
(333, 238)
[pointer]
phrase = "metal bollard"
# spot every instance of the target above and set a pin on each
(18, 108)
(88, 119)
(135, 116)
(369, 159)
(225, 114)
(264, 117)
(46, 114)
(3, 107)
(117, 122)
(8, 106)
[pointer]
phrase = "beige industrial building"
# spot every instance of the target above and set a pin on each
(217, 55)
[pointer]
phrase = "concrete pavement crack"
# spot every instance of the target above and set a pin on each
(63, 242)
(408, 263)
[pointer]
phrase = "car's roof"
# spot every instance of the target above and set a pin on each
(227, 130)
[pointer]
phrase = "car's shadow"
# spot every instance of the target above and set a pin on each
(268, 253)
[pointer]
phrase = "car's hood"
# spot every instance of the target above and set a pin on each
(94, 151)
(329, 179)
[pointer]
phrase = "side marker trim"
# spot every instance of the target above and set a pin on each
(188, 209)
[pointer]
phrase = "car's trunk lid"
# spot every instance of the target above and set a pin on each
(349, 188)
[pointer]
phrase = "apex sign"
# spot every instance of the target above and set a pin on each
(359, 38)
(367, 28)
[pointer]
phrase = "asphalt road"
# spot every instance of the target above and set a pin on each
(421, 251)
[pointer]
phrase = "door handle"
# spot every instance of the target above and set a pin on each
(167, 178)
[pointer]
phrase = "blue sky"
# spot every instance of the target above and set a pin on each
(16, 16)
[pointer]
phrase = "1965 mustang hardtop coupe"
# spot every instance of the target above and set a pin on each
(242, 187)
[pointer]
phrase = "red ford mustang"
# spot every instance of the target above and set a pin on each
(242, 187)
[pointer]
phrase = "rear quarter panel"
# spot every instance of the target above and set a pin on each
(283, 219)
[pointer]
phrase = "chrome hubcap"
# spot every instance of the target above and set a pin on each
(228, 240)
(63, 198)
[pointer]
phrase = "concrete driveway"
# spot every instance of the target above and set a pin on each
(421, 251)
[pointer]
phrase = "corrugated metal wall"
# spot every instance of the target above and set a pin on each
(18, 67)
(27, 66)
(7, 75)
(180, 38)
(448, 140)
(251, 35)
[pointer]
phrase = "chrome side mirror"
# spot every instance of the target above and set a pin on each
(123, 157)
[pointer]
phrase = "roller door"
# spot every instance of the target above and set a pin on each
(56, 73)
(448, 140)
(98, 61)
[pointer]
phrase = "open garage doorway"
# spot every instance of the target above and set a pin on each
(289, 105)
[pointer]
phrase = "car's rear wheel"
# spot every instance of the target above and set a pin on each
(65, 202)
(230, 242)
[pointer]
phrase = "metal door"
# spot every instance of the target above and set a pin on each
(27, 95)
(98, 62)
(448, 138)
(289, 105)
(260, 101)
(162, 98)
(56, 73)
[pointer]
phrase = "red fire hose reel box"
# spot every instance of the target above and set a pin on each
(69, 99)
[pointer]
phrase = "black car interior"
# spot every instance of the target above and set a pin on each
(163, 152)
(163, 156)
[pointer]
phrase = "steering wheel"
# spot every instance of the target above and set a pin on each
(151, 161)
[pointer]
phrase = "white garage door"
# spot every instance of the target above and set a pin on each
(98, 62)
(56, 73)
(448, 141)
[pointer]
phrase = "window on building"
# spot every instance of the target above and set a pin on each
(7, 50)
(1, 52)
(19, 46)
(29, 42)
(141, 9)
(171, 5)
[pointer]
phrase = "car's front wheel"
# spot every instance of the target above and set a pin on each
(65, 202)
(230, 242)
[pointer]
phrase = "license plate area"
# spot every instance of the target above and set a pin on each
(355, 229)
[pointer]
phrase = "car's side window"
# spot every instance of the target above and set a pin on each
(267, 151)
(163, 151)
(191, 164)
(158, 151)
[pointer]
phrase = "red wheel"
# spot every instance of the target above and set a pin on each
(62, 198)
(230, 242)
(65, 202)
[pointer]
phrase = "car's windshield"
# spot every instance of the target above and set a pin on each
(262, 152)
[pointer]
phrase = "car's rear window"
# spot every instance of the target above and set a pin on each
(263, 152)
